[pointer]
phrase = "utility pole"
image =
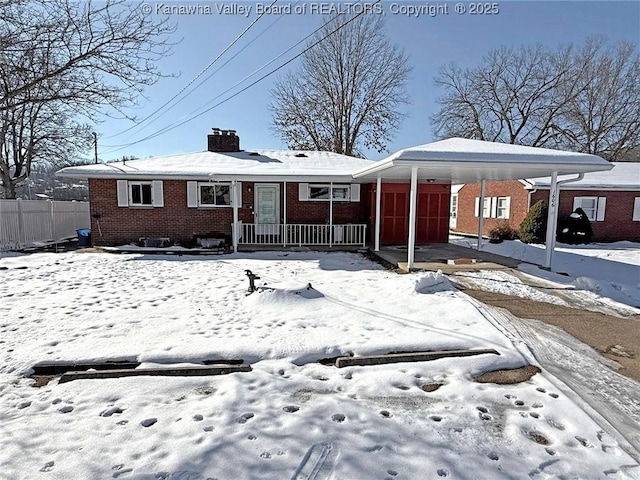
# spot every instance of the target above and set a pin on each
(95, 146)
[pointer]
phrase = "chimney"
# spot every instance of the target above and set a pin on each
(223, 141)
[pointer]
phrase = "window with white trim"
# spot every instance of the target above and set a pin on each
(503, 205)
(210, 194)
(593, 207)
(147, 193)
(319, 192)
(636, 209)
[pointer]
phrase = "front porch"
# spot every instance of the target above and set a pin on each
(300, 235)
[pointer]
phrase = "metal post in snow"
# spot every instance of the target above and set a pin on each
(234, 186)
(378, 202)
(413, 194)
(284, 228)
(330, 214)
(481, 213)
(552, 220)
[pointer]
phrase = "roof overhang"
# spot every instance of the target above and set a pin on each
(458, 160)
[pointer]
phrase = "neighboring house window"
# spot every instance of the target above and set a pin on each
(140, 193)
(636, 209)
(593, 207)
(320, 192)
(503, 207)
(486, 207)
(207, 194)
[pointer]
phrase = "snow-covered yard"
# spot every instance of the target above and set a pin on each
(290, 417)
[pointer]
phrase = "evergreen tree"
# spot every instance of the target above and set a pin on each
(533, 228)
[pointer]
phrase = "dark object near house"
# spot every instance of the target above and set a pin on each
(84, 237)
(252, 277)
(576, 228)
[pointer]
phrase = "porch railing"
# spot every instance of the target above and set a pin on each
(302, 234)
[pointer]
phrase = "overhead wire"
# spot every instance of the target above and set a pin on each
(202, 72)
(178, 124)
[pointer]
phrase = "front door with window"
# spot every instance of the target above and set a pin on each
(267, 208)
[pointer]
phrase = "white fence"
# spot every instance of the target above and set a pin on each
(27, 222)
(302, 234)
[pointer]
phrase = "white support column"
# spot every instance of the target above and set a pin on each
(376, 247)
(481, 213)
(413, 195)
(234, 186)
(284, 228)
(552, 219)
(330, 214)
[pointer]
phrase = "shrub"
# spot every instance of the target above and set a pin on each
(502, 231)
(533, 228)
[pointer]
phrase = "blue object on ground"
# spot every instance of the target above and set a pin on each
(84, 237)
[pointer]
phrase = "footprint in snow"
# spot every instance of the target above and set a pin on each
(584, 442)
(338, 417)
(436, 418)
(48, 466)
(148, 422)
(111, 411)
(443, 472)
(66, 409)
(245, 417)
(483, 413)
(198, 418)
(554, 395)
(291, 408)
(541, 390)
(493, 456)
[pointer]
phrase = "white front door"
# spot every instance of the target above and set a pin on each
(267, 208)
(453, 215)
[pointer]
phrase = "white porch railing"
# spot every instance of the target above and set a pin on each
(302, 234)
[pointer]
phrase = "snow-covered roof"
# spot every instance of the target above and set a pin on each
(623, 176)
(459, 160)
(249, 165)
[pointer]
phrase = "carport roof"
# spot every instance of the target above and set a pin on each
(459, 160)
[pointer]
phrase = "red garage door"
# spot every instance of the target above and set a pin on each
(432, 225)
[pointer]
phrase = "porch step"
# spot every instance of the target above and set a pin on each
(342, 362)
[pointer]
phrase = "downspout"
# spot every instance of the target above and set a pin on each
(284, 233)
(411, 241)
(377, 226)
(481, 213)
(552, 216)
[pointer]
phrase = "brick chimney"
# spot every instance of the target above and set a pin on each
(223, 141)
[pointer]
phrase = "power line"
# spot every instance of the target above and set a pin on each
(179, 124)
(202, 72)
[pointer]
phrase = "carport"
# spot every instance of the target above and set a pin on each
(459, 160)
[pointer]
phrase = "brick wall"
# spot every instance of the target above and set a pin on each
(468, 222)
(617, 225)
(123, 225)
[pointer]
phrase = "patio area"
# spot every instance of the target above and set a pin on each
(444, 256)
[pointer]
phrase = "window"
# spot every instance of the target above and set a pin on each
(210, 195)
(214, 195)
(593, 207)
(140, 193)
(636, 209)
(494, 207)
(320, 192)
(503, 207)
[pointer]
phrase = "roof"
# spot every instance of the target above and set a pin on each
(623, 176)
(263, 165)
(460, 160)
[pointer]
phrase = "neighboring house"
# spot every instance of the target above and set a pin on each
(611, 200)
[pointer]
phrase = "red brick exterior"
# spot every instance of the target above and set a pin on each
(467, 222)
(618, 221)
(113, 225)
(617, 225)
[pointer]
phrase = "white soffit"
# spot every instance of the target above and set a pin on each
(459, 160)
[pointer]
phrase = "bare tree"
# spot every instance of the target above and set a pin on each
(65, 58)
(579, 99)
(346, 95)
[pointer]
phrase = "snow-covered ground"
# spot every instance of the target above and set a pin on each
(599, 274)
(290, 417)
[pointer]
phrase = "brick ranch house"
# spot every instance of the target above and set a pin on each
(611, 200)
(289, 197)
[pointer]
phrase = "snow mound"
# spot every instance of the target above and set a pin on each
(430, 282)
(285, 292)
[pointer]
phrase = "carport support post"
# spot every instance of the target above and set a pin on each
(413, 194)
(234, 186)
(481, 213)
(376, 247)
(552, 219)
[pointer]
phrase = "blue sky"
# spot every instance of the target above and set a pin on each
(430, 42)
